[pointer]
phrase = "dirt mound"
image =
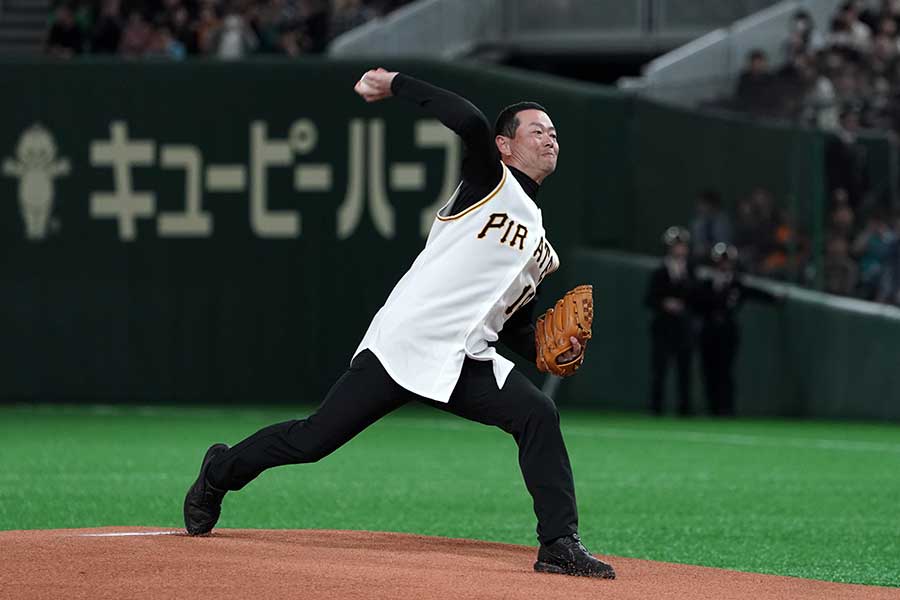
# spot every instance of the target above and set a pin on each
(137, 562)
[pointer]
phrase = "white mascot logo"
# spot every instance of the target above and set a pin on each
(36, 165)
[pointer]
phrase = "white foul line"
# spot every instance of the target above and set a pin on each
(130, 533)
(704, 437)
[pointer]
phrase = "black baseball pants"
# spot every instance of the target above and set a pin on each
(718, 349)
(670, 342)
(365, 393)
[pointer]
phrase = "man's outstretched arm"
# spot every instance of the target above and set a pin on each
(481, 165)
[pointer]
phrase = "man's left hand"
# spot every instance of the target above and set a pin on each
(571, 354)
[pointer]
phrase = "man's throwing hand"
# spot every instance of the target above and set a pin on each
(375, 85)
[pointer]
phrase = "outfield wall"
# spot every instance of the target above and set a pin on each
(224, 232)
(814, 355)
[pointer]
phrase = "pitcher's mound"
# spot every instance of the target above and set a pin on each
(137, 562)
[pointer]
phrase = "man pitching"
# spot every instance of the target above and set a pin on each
(432, 342)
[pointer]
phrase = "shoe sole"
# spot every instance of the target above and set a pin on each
(542, 567)
(211, 452)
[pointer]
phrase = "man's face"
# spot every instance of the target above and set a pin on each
(534, 146)
(759, 65)
(679, 251)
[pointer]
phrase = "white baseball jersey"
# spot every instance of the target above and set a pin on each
(477, 268)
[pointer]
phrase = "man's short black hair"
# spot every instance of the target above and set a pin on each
(507, 123)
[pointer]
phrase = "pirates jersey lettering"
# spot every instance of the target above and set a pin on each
(477, 268)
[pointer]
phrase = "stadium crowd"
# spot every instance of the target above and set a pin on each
(226, 29)
(852, 67)
(861, 256)
(841, 79)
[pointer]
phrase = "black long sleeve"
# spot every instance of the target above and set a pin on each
(656, 289)
(481, 170)
(518, 331)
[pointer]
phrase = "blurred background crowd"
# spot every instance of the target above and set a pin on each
(829, 70)
(862, 253)
(226, 29)
(842, 76)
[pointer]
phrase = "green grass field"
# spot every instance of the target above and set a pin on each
(818, 500)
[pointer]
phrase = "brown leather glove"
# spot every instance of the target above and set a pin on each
(571, 317)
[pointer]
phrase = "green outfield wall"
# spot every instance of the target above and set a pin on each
(224, 232)
(814, 355)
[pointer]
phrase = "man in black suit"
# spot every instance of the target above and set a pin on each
(718, 297)
(668, 295)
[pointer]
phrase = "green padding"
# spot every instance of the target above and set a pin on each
(271, 211)
(237, 303)
(813, 356)
(677, 153)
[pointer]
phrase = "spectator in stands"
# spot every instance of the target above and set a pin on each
(803, 38)
(234, 40)
(314, 18)
(107, 31)
(848, 32)
(841, 273)
(206, 27)
(746, 233)
(267, 25)
(874, 246)
(884, 53)
(842, 218)
(889, 288)
(65, 39)
(671, 336)
(136, 35)
(182, 30)
(845, 161)
(800, 91)
(848, 88)
(887, 27)
(167, 10)
(347, 14)
(164, 45)
(785, 252)
(819, 106)
(290, 27)
(289, 41)
(754, 94)
(888, 10)
(766, 223)
(710, 225)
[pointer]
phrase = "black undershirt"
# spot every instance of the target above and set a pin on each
(480, 173)
(481, 170)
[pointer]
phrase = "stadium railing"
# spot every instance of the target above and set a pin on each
(707, 67)
(448, 28)
(814, 355)
(436, 28)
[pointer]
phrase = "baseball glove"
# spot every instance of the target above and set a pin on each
(571, 317)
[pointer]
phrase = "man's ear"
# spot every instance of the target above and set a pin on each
(503, 145)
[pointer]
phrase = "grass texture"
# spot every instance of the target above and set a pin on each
(809, 499)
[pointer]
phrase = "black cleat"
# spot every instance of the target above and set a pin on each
(203, 502)
(568, 556)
